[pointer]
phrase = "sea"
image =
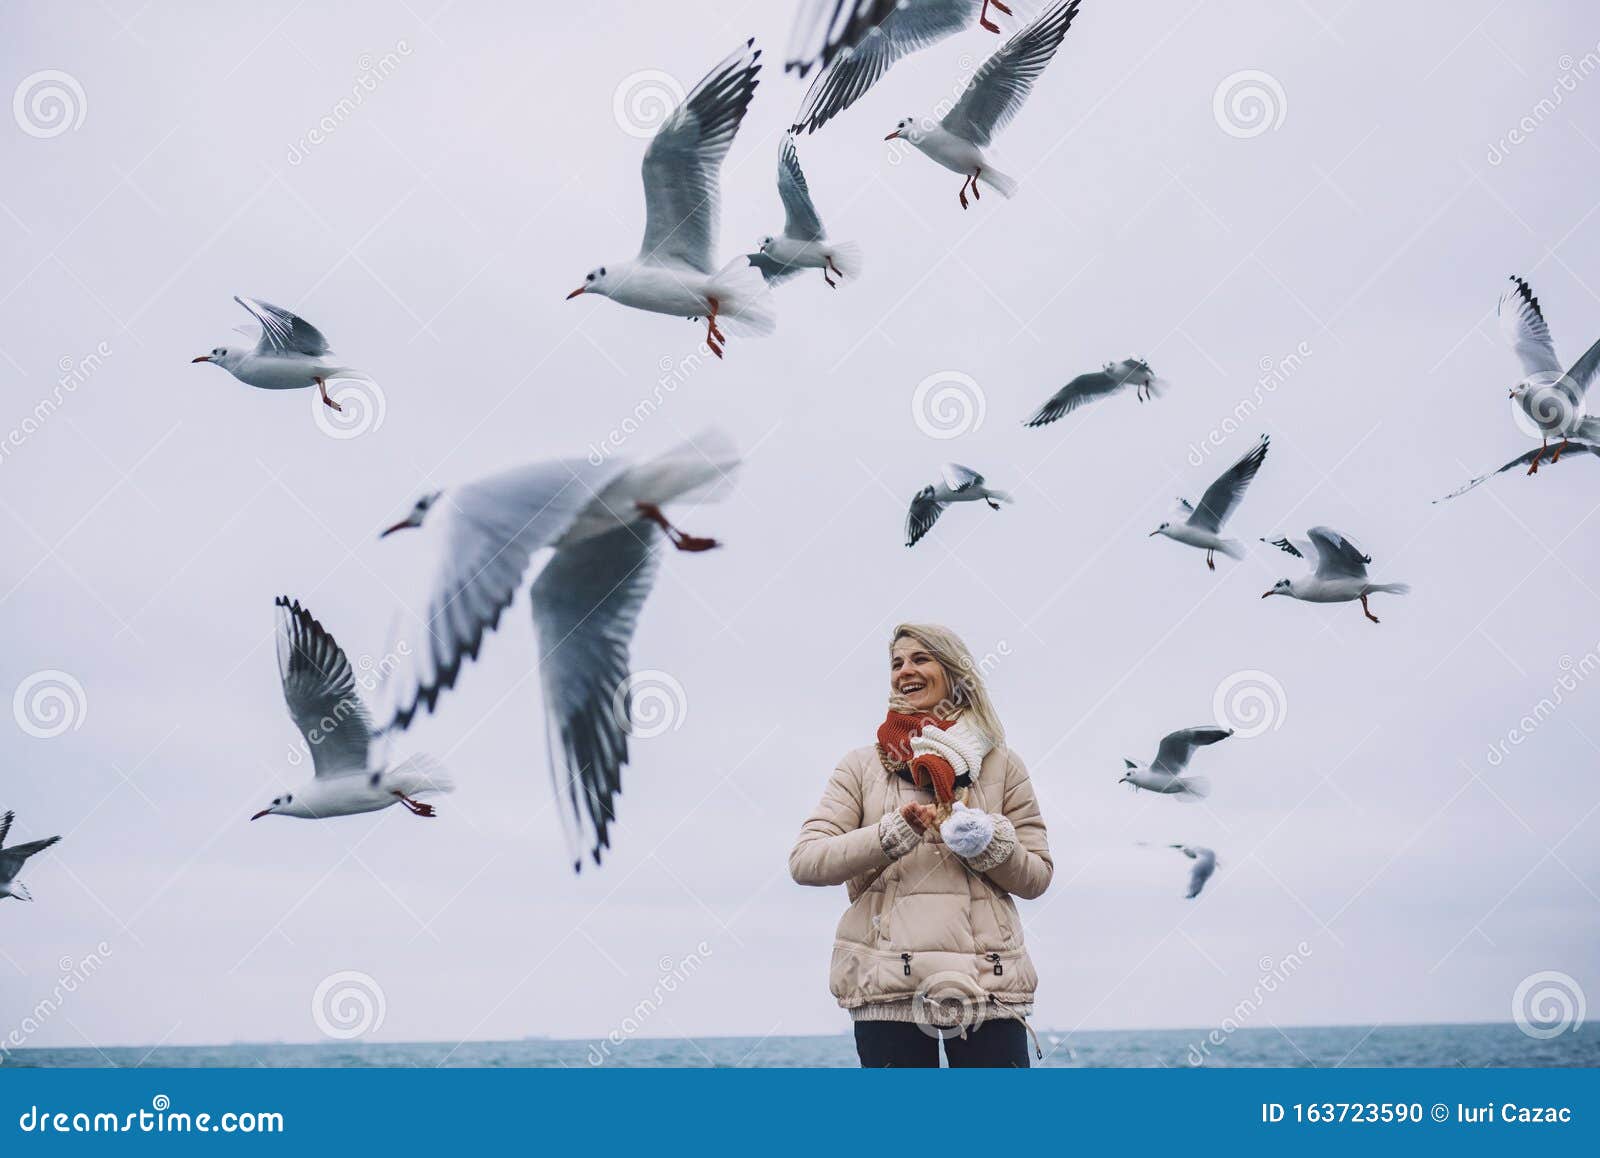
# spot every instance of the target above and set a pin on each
(1378, 1046)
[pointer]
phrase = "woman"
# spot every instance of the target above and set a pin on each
(933, 829)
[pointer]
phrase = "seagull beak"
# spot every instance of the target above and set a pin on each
(400, 526)
(263, 812)
(1157, 531)
(1264, 594)
(201, 358)
(575, 293)
(894, 136)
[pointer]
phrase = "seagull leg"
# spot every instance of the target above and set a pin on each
(1367, 611)
(975, 174)
(835, 268)
(1533, 467)
(417, 807)
(829, 280)
(963, 194)
(1556, 457)
(1210, 564)
(679, 540)
(983, 18)
(993, 506)
(322, 385)
(714, 336)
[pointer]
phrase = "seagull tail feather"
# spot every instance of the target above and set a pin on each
(1391, 588)
(421, 773)
(1232, 548)
(1195, 788)
(846, 257)
(1001, 183)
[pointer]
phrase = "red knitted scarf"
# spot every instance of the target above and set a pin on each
(927, 771)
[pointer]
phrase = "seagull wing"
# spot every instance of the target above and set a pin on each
(18, 853)
(283, 332)
(1222, 496)
(925, 511)
(586, 605)
(1522, 322)
(5, 826)
(1299, 548)
(319, 685)
(958, 478)
(683, 165)
(1173, 754)
(775, 272)
(492, 528)
(1083, 388)
(1523, 460)
(1205, 863)
(800, 214)
(1576, 380)
(1003, 82)
(1337, 556)
(823, 29)
(911, 26)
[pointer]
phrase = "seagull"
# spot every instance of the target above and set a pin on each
(12, 859)
(1552, 400)
(319, 685)
(823, 29)
(601, 520)
(1204, 524)
(802, 245)
(883, 32)
(1205, 863)
(1520, 460)
(959, 484)
(675, 272)
(290, 353)
(1103, 383)
(1165, 773)
(991, 99)
(1341, 574)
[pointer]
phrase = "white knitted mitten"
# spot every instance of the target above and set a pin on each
(968, 832)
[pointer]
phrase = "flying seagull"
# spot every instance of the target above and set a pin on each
(1108, 380)
(1340, 575)
(1204, 524)
(13, 858)
(601, 520)
(802, 244)
(1520, 460)
(289, 353)
(957, 484)
(1205, 863)
(1553, 400)
(1164, 774)
(993, 96)
(676, 270)
(823, 29)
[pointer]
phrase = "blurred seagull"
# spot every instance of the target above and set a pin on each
(1552, 400)
(601, 520)
(290, 354)
(676, 272)
(959, 484)
(993, 96)
(1520, 460)
(1204, 524)
(869, 42)
(802, 245)
(319, 685)
(1165, 773)
(1340, 575)
(1205, 863)
(12, 859)
(823, 29)
(1103, 383)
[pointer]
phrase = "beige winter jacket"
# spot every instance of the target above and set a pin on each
(926, 925)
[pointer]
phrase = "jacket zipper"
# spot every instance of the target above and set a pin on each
(906, 957)
(999, 970)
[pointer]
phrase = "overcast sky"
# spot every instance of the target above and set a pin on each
(1360, 236)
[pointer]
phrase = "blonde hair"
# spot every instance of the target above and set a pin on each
(967, 689)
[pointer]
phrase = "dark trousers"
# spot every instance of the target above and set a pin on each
(906, 1045)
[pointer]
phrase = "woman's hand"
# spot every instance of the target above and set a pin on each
(919, 816)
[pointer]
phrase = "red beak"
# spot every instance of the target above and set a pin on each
(201, 358)
(387, 531)
(575, 293)
(263, 812)
(894, 136)
(1264, 594)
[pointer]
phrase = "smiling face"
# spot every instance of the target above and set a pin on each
(915, 674)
